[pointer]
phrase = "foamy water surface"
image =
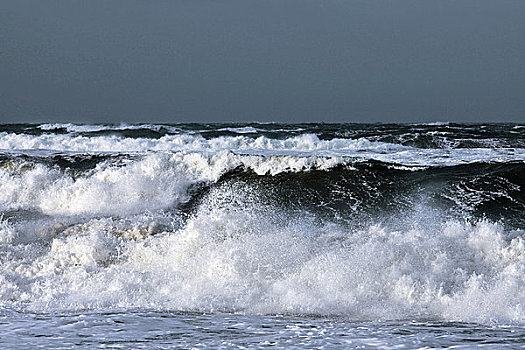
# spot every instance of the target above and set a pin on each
(258, 235)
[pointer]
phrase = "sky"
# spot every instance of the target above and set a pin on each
(267, 60)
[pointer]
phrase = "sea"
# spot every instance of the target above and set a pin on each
(262, 235)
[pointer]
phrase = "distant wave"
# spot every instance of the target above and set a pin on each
(305, 145)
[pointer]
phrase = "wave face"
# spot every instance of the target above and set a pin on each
(360, 221)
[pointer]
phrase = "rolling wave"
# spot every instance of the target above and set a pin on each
(350, 220)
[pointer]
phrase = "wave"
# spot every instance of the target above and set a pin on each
(335, 188)
(269, 219)
(303, 145)
(120, 184)
(86, 128)
(438, 136)
(257, 260)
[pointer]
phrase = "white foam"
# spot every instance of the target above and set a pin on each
(107, 240)
(78, 128)
(72, 127)
(238, 259)
(436, 123)
(304, 145)
(156, 181)
(241, 130)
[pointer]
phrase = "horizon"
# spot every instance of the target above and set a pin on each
(124, 123)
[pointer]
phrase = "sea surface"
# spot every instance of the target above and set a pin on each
(153, 236)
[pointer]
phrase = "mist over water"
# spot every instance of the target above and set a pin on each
(355, 223)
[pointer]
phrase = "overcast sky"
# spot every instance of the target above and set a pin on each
(264, 60)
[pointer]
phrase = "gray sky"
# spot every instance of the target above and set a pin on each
(264, 60)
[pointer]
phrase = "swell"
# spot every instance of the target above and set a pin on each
(77, 163)
(345, 190)
(358, 193)
(494, 190)
(427, 136)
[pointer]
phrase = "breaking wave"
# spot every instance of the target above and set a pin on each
(358, 228)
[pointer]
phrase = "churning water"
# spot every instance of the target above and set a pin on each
(258, 235)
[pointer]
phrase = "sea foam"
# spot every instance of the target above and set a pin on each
(303, 145)
(155, 181)
(252, 261)
(186, 223)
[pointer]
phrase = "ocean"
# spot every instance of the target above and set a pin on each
(260, 235)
